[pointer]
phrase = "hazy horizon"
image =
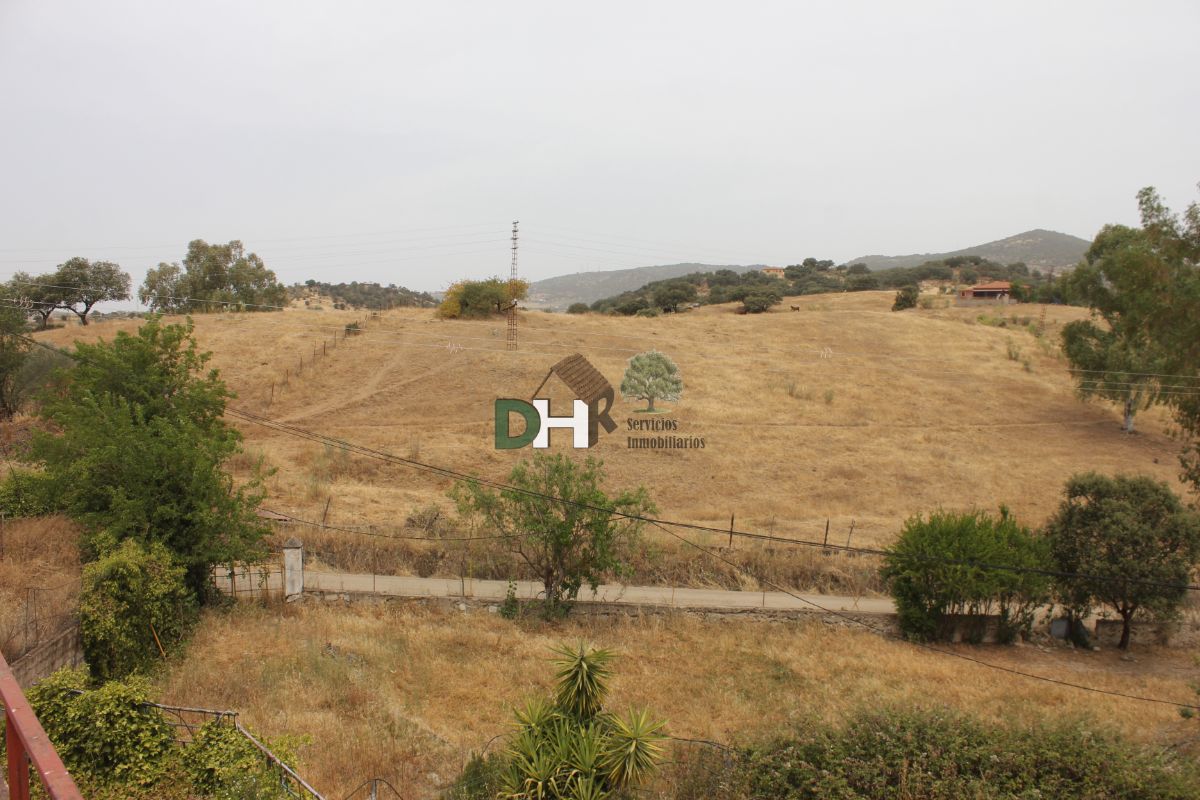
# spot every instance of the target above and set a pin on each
(375, 142)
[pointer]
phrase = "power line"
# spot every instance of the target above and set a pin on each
(931, 648)
(462, 476)
(661, 525)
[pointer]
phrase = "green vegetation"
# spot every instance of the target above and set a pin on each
(118, 746)
(759, 301)
(578, 308)
(76, 286)
(820, 276)
(559, 522)
(133, 449)
(1144, 285)
(373, 296)
(934, 597)
(133, 603)
(651, 376)
(481, 299)
(937, 755)
(569, 747)
(1130, 544)
(214, 277)
(906, 298)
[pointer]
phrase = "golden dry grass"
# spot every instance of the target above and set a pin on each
(39, 580)
(910, 411)
(407, 692)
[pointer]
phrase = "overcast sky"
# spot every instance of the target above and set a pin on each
(396, 142)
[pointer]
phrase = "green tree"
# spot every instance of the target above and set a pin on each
(559, 521)
(14, 353)
(578, 308)
(670, 296)
(85, 283)
(1125, 542)
(481, 299)
(758, 301)
(133, 602)
(936, 571)
(569, 747)
(40, 294)
(651, 376)
(214, 277)
(136, 445)
(163, 290)
(906, 298)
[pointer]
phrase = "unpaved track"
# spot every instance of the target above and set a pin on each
(397, 586)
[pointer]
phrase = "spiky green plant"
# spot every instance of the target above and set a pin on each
(581, 679)
(571, 749)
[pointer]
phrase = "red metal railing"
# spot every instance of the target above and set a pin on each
(27, 743)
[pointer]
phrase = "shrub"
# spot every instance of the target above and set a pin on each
(133, 602)
(221, 763)
(648, 312)
(28, 493)
(107, 734)
(944, 756)
(570, 747)
(906, 298)
(760, 301)
(578, 308)
(481, 299)
(930, 591)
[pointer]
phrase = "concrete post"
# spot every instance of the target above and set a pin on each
(293, 569)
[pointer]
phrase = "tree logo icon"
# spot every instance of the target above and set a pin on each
(651, 376)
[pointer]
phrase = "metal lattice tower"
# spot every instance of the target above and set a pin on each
(512, 307)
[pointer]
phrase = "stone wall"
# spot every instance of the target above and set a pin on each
(62, 650)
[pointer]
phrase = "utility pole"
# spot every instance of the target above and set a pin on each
(512, 306)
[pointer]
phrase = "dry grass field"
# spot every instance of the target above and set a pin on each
(39, 581)
(842, 410)
(406, 692)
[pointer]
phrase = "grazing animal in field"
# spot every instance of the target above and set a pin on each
(795, 308)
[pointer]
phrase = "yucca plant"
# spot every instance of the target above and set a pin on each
(571, 749)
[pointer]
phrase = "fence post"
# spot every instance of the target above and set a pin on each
(293, 569)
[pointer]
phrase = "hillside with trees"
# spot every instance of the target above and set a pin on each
(757, 290)
(371, 296)
(1040, 249)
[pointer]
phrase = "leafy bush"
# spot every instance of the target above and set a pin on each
(929, 592)
(578, 308)
(223, 764)
(758, 302)
(647, 312)
(28, 493)
(942, 756)
(107, 734)
(481, 299)
(134, 601)
(906, 298)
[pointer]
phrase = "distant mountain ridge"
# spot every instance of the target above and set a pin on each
(588, 287)
(1038, 248)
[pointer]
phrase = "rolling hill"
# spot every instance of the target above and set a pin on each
(587, 287)
(1038, 248)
